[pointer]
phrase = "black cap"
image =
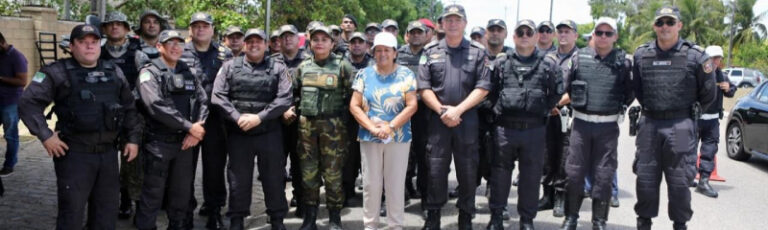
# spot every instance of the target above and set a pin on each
(547, 24)
(319, 29)
(389, 22)
(496, 22)
(233, 30)
(354, 20)
(170, 34)
(358, 35)
(287, 28)
(454, 9)
(478, 30)
(526, 22)
(255, 32)
(667, 11)
(567, 23)
(201, 17)
(416, 25)
(83, 30)
(373, 25)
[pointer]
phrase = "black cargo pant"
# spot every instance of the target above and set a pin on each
(242, 149)
(709, 135)
(417, 165)
(167, 169)
(527, 147)
(290, 147)
(593, 151)
(214, 162)
(554, 177)
(665, 147)
(443, 145)
(85, 177)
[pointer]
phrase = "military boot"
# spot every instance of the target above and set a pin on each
(644, 223)
(497, 222)
(126, 207)
(600, 214)
(547, 202)
(214, 219)
(704, 188)
(277, 223)
(310, 218)
(176, 225)
(433, 220)
(465, 220)
(334, 219)
(412, 191)
(526, 223)
(572, 207)
(679, 226)
(559, 208)
(236, 223)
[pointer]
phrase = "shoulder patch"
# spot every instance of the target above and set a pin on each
(707, 66)
(698, 48)
(423, 60)
(145, 76)
(39, 77)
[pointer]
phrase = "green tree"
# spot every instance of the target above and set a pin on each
(747, 23)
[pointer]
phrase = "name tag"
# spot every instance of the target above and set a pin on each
(189, 85)
(662, 63)
(118, 61)
(523, 69)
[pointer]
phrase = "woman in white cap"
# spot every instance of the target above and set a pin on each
(383, 101)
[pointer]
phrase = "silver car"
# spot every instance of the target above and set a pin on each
(744, 77)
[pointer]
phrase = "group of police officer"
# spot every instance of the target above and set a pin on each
(161, 99)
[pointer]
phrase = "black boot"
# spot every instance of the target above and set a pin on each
(277, 223)
(189, 221)
(433, 220)
(644, 223)
(310, 218)
(704, 188)
(205, 210)
(465, 220)
(526, 223)
(126, 207)
(680, 225)
(547, 202)
(214, 219)
(299, 211)
(236, 223)
(497, 222)
(454, 193)
(600, 210)
(176, 225)
(559, 209)
(334, 219)
(412, 191)
(572, 206)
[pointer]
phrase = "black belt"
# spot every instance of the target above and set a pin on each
(517, 123)
(98, 148)
(667, 114)
(169, 138)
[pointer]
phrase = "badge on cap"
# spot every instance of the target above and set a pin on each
(667, 11)
(453, 9)
(87, 29)
(39, 77)
(200, 16)
(707, 66)
(417, 24)
(173, 33)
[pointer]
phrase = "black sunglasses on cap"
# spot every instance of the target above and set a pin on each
(522, 32)
(599, 33)
(661, 22)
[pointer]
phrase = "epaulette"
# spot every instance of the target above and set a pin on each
(477, 45)
(431, 44)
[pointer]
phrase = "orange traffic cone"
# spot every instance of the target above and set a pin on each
(713, 176)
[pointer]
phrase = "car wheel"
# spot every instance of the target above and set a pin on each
(735, 142)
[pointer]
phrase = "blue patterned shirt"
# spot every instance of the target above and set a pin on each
(384, 98)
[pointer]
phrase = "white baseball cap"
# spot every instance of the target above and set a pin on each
(385, 39)
(714, 51)
(608, 21)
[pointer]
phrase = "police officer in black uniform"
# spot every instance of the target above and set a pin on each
(453, 79)
(149, 28)
(176, 110)
(675, 81)
(292, 55)
(409, 56)
(600, 89)
(254, 90)
(206, 56)
(528, 85)
(546, 33)
(94, 105)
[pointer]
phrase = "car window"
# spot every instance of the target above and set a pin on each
(736, 73)
(763, 96)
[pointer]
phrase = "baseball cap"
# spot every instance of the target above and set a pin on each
(82, 30)
(496, 22)
(607, 21)
(454, 9)
(527, 23)
(201, 17)
(667, 11)
(335, 28)
(288, 28)
(385, 39)
(233, 30)
(478, 30)
(547, 24)
(389, 22)
(373, 25)
(320, 28)
(567, 23)
(416, 25)
(170, 34)
(275, 34)
(358, 35)
(255, 32)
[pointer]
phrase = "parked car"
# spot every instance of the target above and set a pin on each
(744, 77)
(748, 125)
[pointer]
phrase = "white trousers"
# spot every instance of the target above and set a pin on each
(384, 167)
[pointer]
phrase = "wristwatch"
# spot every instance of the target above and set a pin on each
(391, 126)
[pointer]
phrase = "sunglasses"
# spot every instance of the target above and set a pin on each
(660, 23)
(520, 33)
(545, 30)
(599, 33)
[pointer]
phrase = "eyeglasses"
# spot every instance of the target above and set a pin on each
(521, 32)
(545, 30)
(660, 23)
(599, 33)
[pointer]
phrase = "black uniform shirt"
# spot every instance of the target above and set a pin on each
(275, 108)
(452, 73)
(160, 105)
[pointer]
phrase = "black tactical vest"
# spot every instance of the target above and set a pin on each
(180, 87)
(598, 85)
(253, 92)
(93, 104)
(126, 62)
(666, 83)
(524, 87)
(407, 58)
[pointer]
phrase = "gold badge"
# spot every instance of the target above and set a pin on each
(453, 9)
(417, 24)
(667, 11)
(707, 66)
(434, 56)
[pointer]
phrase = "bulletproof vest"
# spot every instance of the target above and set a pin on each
(367, 61)
(126, 62)
(598, 85)
(93, 104)
(666, 83)
(406, 58)
(252, 92)
(150, 51)
(179, 86)
(524, 87)
(322, 92)
(717, 105)
(207, 72)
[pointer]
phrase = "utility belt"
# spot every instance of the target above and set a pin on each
(167, 138)
(668, 114)
(594, 118)
(98, 148)
(521, 123)
(710, 116)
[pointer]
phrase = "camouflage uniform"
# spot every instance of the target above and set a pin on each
(325, 87)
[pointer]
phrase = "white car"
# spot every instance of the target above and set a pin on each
(744, 77)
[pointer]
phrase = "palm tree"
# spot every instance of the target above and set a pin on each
(702, 21)
(751, 30)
